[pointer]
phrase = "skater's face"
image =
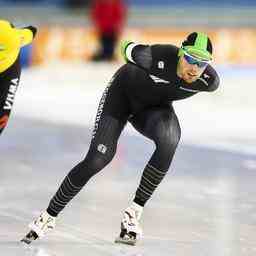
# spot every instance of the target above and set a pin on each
(190, 68)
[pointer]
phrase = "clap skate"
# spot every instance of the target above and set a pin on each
(130, 228)
(39, 227)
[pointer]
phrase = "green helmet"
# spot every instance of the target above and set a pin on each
(198, 45)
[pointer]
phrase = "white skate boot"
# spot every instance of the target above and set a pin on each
(42, 225)
(130, 227)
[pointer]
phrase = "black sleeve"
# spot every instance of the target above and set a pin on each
(208, 82)
(215, 82)
(158, 59)
(5, 106)
(212, 78)
(142, 56)
(9, 82)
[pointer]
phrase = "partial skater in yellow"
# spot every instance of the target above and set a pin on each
(11, 41)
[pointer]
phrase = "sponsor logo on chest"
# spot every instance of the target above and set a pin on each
(160, 64)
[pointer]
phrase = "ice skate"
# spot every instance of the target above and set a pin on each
(130, 228)
(42, 225)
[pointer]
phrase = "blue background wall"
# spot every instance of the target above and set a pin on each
(146, 2)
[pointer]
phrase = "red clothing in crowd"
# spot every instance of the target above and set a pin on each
(108, 15)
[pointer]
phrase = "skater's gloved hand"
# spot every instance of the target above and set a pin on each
(124, 45)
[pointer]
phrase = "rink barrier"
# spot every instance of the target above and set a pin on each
(231, 45)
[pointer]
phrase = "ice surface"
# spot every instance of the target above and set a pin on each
(204, 207)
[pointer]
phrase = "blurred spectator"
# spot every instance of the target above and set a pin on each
(108, 17)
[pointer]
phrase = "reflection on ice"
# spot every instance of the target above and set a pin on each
(40, 252)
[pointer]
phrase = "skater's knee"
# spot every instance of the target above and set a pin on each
(173, 138)
(96, 160)
(168, 140)
(97, 163)
(167, 134)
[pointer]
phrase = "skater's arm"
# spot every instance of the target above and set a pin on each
(209, 80)
(138, 54)
(214, 80)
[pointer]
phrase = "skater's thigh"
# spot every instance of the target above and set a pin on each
(106, 133)
(156, 122)
(112, 114)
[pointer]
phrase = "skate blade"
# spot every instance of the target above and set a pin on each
(126, 240)
(31, 236)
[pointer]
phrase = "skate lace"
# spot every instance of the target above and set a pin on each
(130, 222)
(131, 218)
(45, 223)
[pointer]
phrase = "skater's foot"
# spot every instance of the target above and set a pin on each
(130, 227)
(31, 236)
(38, 228)
(126, 238)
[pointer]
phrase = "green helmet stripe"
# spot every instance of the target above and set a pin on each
(201, 41)
(199, 48)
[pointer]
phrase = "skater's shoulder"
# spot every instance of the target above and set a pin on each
(167, 51)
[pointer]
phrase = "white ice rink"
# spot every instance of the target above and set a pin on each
(206, 206)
